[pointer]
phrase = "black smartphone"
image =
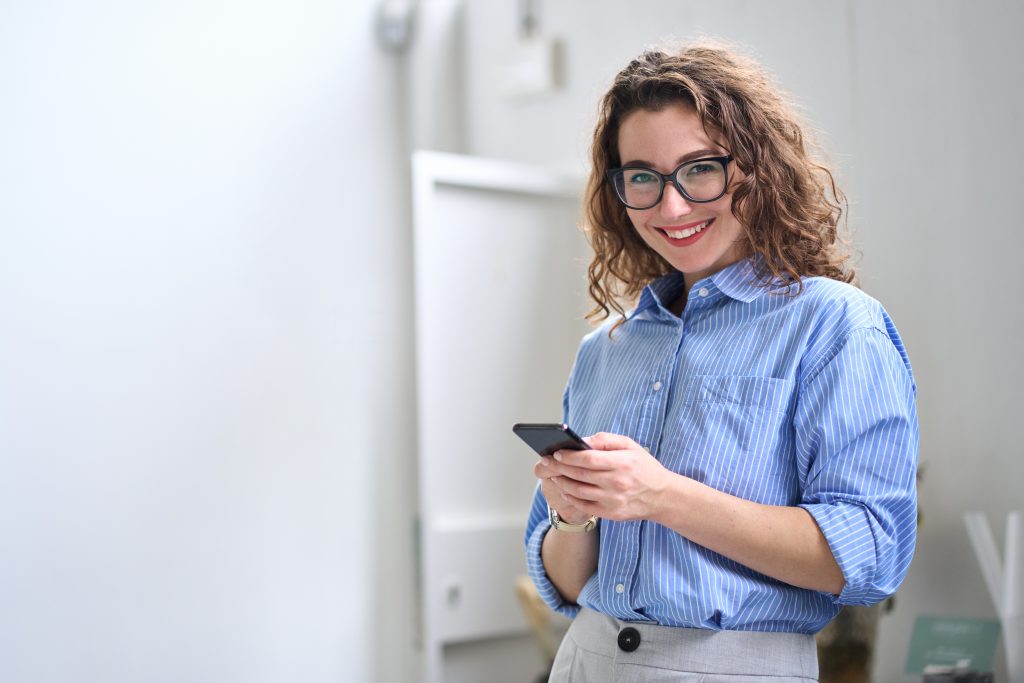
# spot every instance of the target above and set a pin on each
(547, 438)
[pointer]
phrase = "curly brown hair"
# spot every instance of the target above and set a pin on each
(788, 203)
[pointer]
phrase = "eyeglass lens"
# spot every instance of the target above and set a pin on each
(641, 188)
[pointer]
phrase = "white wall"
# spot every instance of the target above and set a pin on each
(919, 104)
(204, 344)
(205, 308)
(941, 84)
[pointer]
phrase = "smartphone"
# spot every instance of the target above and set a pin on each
(547, 438)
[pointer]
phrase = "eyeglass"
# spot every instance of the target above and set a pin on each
(701, 181)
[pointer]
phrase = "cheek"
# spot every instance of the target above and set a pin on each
(641, 222)
(637, 221)
(736, 234)
(725, 209)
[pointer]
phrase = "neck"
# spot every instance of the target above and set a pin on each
(677, 306)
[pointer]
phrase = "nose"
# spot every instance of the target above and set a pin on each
(673, 203)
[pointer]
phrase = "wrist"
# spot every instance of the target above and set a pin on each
(574, 519)
(561, 524)
(671, 501)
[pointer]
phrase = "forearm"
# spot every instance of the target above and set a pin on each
(782, 542)
(570, 559)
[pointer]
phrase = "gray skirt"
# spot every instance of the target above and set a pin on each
(601, 649)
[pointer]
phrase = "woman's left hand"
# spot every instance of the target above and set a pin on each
(616, 479)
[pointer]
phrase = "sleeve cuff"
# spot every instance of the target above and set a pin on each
(851, 539)
(535, 568)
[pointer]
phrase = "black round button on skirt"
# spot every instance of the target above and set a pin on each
(629, 639)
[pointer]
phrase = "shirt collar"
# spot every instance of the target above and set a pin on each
(660, 292)
(738, 281)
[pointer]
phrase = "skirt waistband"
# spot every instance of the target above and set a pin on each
(739, 653)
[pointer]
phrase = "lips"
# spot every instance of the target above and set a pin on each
(682, 235)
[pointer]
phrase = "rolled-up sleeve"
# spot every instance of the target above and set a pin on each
(857, 441)
(536, 527)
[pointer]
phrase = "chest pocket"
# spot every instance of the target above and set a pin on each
(736, 432)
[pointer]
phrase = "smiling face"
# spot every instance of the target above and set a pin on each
(697, 239)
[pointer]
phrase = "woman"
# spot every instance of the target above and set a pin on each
(752, 417)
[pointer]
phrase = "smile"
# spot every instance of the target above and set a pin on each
(682, 232)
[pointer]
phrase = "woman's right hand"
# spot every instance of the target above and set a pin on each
(553, 493)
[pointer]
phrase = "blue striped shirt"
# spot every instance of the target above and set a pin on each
(802, 400)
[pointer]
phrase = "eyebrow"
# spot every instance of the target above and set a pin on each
(689, 156)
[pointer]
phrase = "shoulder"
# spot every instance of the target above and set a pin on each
(838, 314)
(839, 305)
(610, 342)
(601, 336)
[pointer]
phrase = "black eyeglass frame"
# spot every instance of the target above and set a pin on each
(670, 178)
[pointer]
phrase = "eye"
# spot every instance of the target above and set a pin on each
(701, 168)
(641, 177)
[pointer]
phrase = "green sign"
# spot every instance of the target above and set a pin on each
(948, 641)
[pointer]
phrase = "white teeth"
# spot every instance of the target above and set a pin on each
(682, 234)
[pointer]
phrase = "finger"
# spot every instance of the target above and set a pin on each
(545, 468)
(551, 483)
(579, 490)
(557, 485)
(577, 507)
(548, 467)
(591, 460)
(552, 494)
(607, 441)
(560, 469)
(597, 508)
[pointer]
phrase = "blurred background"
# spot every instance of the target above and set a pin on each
(208, 338)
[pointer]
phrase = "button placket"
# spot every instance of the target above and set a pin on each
(653, 406)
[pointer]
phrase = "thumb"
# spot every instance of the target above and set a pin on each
(606, 441)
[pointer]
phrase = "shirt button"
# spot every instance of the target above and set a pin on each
(619, 588)
(703, 291)
(657, 385)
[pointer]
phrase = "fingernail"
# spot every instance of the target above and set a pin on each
(558, 456)
(543, 462)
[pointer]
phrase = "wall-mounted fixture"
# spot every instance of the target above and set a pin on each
(395, 23)
(534, 67)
